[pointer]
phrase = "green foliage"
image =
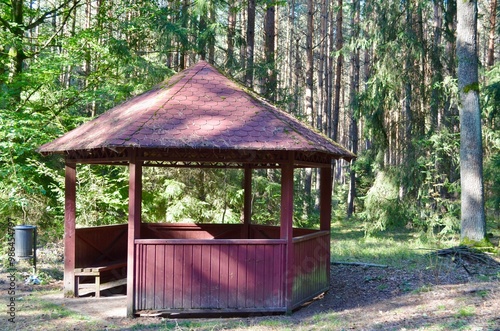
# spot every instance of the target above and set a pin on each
(382, 208)
(192, 195)
(491, 137)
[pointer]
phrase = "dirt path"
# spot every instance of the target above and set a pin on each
(444, 297)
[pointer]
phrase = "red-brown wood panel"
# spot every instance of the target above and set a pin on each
(311, 264)
(101, 244)
(209, 274)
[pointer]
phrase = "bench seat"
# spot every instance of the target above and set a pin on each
(96, 272)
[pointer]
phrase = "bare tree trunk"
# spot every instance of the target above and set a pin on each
(309, 99)
(323, 41)
(291, 40)
(408, 96)
(329, 78)
(473, 223)
(243, 49)
(269, 52)
(354, 106)
(211, 40)
(250, 43)
(231, 32)
(491, 41)
(437, 74)
(338, 72)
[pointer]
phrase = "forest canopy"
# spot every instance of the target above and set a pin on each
(379, 77)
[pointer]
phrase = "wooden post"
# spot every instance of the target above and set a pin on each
(325, 200)
(247, 204)
(134, 227)
(69, 229)
(286, 231)
(325, 207)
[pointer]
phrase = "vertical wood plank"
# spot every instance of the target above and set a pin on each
(233, 276)
(215, 276)
(169, 276)
(69, 229)
(240, 267)
(260, 274)
(251, 273)
(197, 276)
(178, 273)
(159, 276)
(224, 276)
(188, 277)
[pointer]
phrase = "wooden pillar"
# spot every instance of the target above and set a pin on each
(69, 229)
(134, 227)
(325, 199)
(325, 214)
(247, 204)
(286, 231)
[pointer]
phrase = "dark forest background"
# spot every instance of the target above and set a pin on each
(379, 77)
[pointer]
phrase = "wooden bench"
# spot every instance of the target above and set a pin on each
(96, 271)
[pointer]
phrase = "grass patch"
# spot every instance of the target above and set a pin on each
(467, 311)
(400, 249)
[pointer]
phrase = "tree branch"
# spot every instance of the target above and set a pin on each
(50, 13)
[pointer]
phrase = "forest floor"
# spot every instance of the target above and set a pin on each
(436, 293)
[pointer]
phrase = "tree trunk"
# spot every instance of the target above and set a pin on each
(309, 100)
(437, 74)
(269, 52)
(16, 52)
(338, 72)
(473, 223)
(323, 41)
(250, 43)
(231, 32)
(354, 106)
(491, 41)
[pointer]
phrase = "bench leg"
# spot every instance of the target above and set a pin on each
(77, 285)
(97, 286)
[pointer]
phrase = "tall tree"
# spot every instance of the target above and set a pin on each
(338, 71)
(231, 33)
(250, 43)
(269, 51)
(354, 91)
(491, 38)
(473, 223)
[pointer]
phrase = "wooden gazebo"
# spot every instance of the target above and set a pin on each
(200, 118)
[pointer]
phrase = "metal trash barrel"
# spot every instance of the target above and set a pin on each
(24, 237)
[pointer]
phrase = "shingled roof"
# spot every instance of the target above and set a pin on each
(196, 109)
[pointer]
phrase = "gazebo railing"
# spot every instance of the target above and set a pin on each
(226, 275)
(311, 267)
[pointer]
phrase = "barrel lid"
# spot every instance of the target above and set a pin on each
(24, 227)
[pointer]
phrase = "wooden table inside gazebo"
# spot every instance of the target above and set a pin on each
(200, 118)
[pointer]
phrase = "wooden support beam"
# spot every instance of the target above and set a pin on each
(69, 229)
(286, 230)
(325, 207)
(247, 204)
(134, 226)
(325, 200)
